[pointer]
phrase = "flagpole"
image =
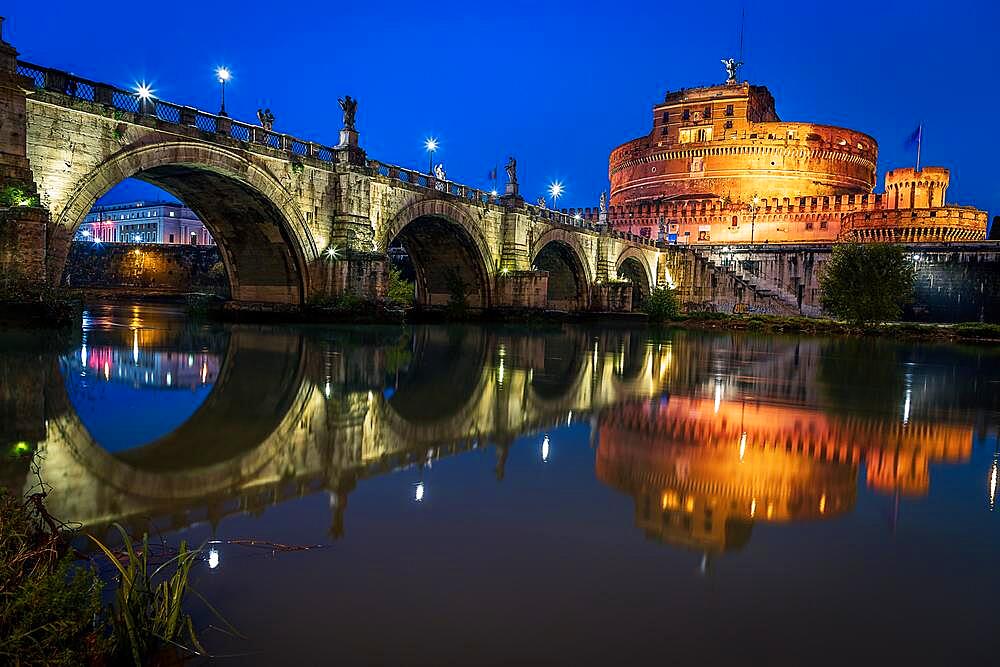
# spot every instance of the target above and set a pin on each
(920, 139)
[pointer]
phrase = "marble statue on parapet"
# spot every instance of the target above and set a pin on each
(732, 66)
(604, 202)
(439, 173)
(511, 168)
(349, 106)
(266, 119)
(541, 202)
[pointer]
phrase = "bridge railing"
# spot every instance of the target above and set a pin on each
(119, 99)
(420, 179)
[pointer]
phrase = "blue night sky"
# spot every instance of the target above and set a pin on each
(558, 85)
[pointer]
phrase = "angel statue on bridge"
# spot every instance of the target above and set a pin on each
(732, 66)
(511, 169)
(350, 107)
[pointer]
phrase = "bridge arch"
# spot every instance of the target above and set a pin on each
(449, 251)
(560, 253)
(633, 265)
(263, 240)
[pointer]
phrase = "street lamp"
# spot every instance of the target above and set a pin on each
(431, 144)
(754, 207)
(224, 75)
(555, 191)
(145, 93)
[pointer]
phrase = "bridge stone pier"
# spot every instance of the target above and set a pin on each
(295, 220)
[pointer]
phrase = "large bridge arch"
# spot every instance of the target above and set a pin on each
(560, 253)
(446, 245)
(633, 265)
(263, 240)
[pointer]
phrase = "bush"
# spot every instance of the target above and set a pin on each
(400, 290)
(662, 305)
(866, 284)
(48, 601)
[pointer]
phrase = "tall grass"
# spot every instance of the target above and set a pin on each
(149, 616)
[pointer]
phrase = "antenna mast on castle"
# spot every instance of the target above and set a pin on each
(743, 23)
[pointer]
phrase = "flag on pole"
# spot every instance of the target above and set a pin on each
(493, 174)
(916, 138)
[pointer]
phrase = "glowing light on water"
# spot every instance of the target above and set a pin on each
(213, 558)
(418, 494)
(135, 346)
(993, 484)
(718, 394)
(753, 507)
(743, 445)
(906, 407)
(545, 448)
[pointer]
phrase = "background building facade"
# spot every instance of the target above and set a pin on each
(144, 222)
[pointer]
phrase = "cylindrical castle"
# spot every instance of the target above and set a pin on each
(727, 141)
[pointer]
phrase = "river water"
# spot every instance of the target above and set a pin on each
(544, 495)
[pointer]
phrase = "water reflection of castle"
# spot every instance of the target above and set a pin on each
(701, 471)
(304, 414)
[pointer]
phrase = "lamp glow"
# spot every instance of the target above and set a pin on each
(144, 91)
(223, 74)
(431, 144)
(418, 494)
(555, 191)
(545, 448)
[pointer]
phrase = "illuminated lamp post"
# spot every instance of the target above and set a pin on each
(754, 207)
(555, 191)
(224, 75)
(431, 144)
(145, 94)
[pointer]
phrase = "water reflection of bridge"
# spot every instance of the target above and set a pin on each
(296, 414)
(291, 415)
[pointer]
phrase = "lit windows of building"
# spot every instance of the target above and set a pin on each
(144, 222)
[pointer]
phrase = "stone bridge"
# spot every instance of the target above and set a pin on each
(294, 220)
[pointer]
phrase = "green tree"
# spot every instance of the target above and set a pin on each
(662, 305)
(867, 283)
(400, 290)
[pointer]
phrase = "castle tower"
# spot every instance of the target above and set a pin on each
(909, 188)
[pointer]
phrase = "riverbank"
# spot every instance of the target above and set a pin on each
(912, 331)
(61, 308)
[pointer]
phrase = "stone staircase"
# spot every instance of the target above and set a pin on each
(739, 266)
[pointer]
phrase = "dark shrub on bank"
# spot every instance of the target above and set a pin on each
(49, 602)
(867, 283)
(662, 305)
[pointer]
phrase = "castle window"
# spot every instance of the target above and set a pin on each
(686, 115)
(729, 124)
(729, 109)
(823, 224)
(736, 221)
(707, 113)
(809, 225)
(664, 130)
(704, 133)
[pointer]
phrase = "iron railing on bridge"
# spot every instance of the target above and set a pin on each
(119, 99)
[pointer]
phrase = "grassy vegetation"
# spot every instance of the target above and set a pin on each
(50, 603)
(51, 608)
